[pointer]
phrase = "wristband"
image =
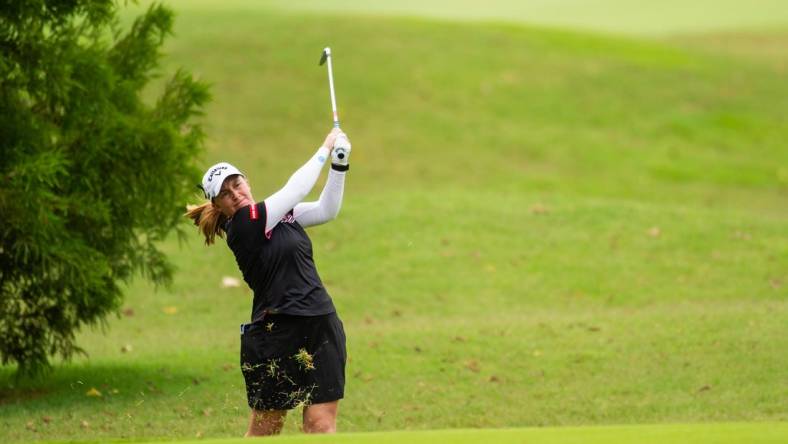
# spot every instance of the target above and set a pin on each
(337, 167)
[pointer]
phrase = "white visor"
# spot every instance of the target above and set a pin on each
(214, 178)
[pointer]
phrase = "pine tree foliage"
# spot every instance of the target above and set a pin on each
(92, 177)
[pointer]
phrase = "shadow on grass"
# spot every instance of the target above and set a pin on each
(70, 385)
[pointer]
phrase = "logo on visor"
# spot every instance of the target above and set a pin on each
(216, 172)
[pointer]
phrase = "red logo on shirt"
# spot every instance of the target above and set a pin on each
(288, 218)
(253, 212)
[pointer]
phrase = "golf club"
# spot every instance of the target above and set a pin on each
(326, 56)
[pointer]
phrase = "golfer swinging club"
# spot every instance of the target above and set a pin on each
(293, 350)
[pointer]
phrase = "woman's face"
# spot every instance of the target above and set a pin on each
(235, 194)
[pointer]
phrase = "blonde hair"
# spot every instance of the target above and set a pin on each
(209, 220)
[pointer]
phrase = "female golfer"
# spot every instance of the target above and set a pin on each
(293, 350)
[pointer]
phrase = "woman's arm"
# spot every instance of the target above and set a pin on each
(297, 188)
(327, 207)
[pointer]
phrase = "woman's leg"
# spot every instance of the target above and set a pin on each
(321, 418)
(266, 422)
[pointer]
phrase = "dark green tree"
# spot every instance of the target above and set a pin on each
(92, 177)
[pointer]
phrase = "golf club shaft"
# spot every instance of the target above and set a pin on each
(331, 88)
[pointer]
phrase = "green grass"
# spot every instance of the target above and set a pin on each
(761, 433)
(541, 228)
(610, 16)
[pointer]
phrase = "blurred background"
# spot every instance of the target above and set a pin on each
(558, 213)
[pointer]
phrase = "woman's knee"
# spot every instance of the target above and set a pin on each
(320, 425)
(263, 423)
(321, 418)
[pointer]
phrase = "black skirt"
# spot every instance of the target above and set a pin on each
(290, 360)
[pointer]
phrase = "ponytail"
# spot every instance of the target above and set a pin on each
(209, 220)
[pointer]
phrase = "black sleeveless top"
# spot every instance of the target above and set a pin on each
(277, 265)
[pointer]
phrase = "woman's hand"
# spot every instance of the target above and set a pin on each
(331, 138)
(341, 152)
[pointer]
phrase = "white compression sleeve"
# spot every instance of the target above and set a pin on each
(300, 184)
(327, 207)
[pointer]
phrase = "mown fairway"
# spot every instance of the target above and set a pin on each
(609, 16)
(540, 228)
(752, 433)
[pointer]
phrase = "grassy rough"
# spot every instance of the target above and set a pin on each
(540, 228)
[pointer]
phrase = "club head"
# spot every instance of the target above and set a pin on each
(325, 55)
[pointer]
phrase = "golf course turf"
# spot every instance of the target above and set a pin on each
(579, 233)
